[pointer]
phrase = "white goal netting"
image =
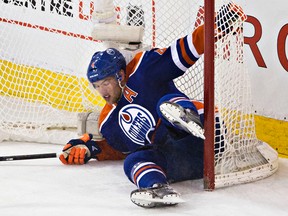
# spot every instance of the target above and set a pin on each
(45, 48)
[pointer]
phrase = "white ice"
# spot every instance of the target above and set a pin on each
(45, 187)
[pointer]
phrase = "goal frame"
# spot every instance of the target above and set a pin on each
(209, 116)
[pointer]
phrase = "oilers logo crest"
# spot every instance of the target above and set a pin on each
(136, 122)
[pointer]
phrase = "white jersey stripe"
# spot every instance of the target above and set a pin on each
(175, 57)
(200, 111)
(145, 172)
(141, 165)
(177, 99)
(191, 46)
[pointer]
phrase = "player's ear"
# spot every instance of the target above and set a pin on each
(121, 75)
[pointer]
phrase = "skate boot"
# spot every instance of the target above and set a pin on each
(156, 196)
(182, 118)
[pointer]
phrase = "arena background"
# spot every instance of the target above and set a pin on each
(266, 31)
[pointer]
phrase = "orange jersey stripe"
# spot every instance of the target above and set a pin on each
(136, 175)
(130, 68)
(198, 39)
(184, 53)
(106, 109)
(200, 105)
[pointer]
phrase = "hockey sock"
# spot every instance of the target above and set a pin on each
(146, 174)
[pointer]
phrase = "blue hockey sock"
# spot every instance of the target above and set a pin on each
(146, 174)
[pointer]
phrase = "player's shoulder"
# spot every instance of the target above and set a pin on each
(158, 51)
(104, 112)
(147, 58)
(132, 65)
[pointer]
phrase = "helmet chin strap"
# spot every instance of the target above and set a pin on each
(122, 87)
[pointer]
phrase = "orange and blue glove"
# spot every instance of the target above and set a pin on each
(79, 151)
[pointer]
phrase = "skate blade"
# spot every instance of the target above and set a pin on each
(173, 114)
(146, 200)
(196, 130)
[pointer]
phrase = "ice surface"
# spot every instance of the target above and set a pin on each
(45, 187)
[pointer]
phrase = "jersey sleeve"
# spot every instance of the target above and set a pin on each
(108, 153)
(187, 50)
(172, 62)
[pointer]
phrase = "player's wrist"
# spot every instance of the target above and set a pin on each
(93, 148)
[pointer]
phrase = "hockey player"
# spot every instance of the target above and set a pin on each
(128, 122)
(146, 120)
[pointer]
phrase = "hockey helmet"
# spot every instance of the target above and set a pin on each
(105, 63)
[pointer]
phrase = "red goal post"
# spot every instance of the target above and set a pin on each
(209, 107)
(243, 157)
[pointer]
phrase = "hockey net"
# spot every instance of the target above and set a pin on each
(45, 48)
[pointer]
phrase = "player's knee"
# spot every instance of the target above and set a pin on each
(178, 98)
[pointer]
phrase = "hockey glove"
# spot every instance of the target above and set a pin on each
(79, 151)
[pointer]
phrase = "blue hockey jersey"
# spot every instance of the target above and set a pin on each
(131, 122)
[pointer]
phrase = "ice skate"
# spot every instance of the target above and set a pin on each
(156, 196)
(183, 118)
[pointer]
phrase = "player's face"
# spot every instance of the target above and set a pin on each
(109, 89)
